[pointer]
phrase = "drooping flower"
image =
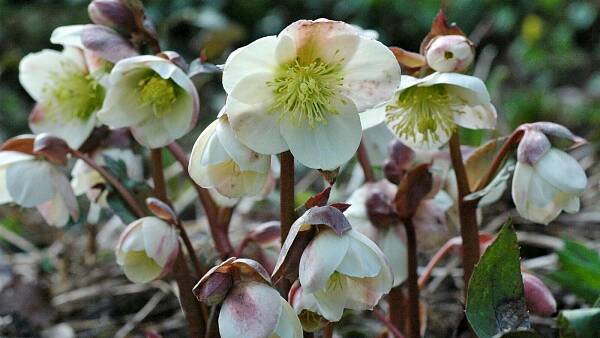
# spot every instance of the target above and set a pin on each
(220, 161)
(68, 95)
(449, 53)
(303, 90)
(425, 112)
(153, 97)
(339, 267)
(32, 182)
(147, 249)
(251, 307)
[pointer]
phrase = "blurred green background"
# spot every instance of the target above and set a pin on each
(539, 58)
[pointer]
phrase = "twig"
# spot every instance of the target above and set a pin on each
(127, 196)
(413, 286)
(506, 150)
(433, 262)
(140, 315)
(397, 305)
(393, 329)
(190, 249)
(328, 330)
(365, 164)
(288, 214)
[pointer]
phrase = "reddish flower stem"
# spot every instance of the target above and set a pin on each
(328, 330)
(393, 329)
(413, 277)
(397, 303)
(286, 182)
(507, 148)
(469, 230)
(219, 232)
(363, 159)
(434, 261)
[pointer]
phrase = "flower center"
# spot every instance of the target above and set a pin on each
(335, 281)
(307, 92)
(158, 93)
(73, 94)
(423, 111)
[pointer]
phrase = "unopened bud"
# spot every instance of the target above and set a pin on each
(161, 209)
(52, 148)
(399, 161)
(112, 13)
(380, 211)
(450, 53)
(538, 297)
(213, 290)
(532, 147)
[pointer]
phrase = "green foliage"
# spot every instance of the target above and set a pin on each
(579, 270)
(581, 323)
(495, 299)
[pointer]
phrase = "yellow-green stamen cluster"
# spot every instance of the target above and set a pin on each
(306, 92)
(423, 111)
(73, 94)
(335, 281)
(158, 93)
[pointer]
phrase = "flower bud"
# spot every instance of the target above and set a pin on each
(400, 159)
(52, 148)
(112, 13)
(147, 249)
(532, 147)
(380, 210)
(538, 297)
(450, 53)
(214, 289)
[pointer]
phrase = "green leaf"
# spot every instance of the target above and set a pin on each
(579, 270)
(495, 299)
(581, 323)
(119, 207)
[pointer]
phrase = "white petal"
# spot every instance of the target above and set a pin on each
(468, 82)
(383, 281)
(474, 113)
(435, 141)
(326, 146)
(245, 158)
(68, 36)
(321, 258)
(121, 107)
(376, 141)
(562, 171)
(359, 261)
(331, 302)
(373, 117)
(371, 75)
(139, 268)
(250, 310)
(395, 251)
(288, 325)
(132, 238)
(30, 183)
(36, 71)
(54, 211)
(365, 292)
(203, 154)
(74, 131)
(257, 57)
(8, 157)
(572, 205)
(160, 240)
(251, 120)
(63, 189)
(4, 194)
(228, 179)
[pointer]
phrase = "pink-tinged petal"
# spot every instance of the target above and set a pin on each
(321, 258)
(288, 325)
(54, 211)
(365, 292)
(562, 171)
(371, 75)
(30, 183)
(331, 41)
(257, 57)
(326, 146)
(63, 189)
(251, 120)
(74, 131)
(160, 240)
(36, 71)
(360, 260)
(243, 156)
(251, 310)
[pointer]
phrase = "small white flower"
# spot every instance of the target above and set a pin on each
(343, 272)
(151, 96)
(30, 182)
(425, 112)
(256, 310)
(67, 94)
(303, 90)
(220, 161)
(147, 249)
(543, 189)
(450, 53)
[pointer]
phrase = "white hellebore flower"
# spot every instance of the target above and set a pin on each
(450, 53)
(425, 112)
(303, 90)
(30, 182)
(68, 96)
(543, 189)
(343, 272)
(220, 161)
(256, 310)
(147, 249)
(153, 97)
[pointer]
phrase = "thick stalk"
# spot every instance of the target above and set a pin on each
(218, 231)
(469, 229)
(412, 281)
(191, 308)
(125, 194)
(365, 164)
(288, 215)
(328, 330)
(397, 304)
